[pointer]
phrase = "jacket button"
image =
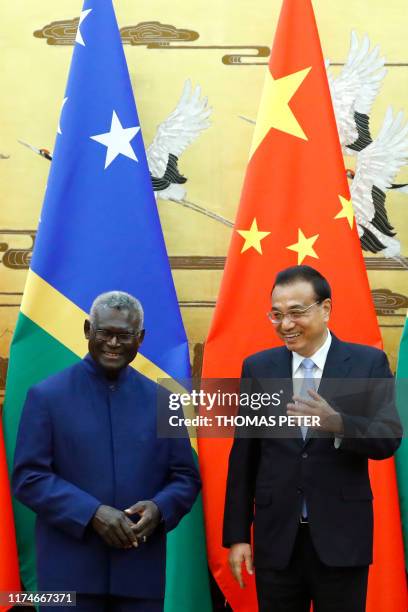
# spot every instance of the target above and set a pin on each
(304, 455)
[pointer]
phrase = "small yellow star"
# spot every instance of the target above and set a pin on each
(304, 246)
(274, 110)
(252, 237)
(347, 211)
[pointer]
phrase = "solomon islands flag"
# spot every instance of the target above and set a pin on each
(100, 230)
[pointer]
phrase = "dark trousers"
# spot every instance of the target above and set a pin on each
(109, 603)
(307, 579)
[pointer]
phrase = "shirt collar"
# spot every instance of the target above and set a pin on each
(319, 357)
(94, 368)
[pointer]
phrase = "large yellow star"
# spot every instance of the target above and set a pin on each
(274, 110)
(253, 237)
(304, 246)
(346, 211)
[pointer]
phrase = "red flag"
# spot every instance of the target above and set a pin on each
(9, 573)
(295, 208)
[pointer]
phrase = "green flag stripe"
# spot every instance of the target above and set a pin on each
(34, 355)
(401, 457)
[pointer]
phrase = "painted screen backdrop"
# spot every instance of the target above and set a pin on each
(218, 45)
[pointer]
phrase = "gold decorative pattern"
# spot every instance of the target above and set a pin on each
(59, 32)
(16, 258)
(386, 302)
(154, 35)
(145, 33)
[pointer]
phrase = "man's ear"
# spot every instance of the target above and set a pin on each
(327, 307)
(141, 336)
(87, 329)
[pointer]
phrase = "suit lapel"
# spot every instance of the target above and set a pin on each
(336, 368)
(283, 370)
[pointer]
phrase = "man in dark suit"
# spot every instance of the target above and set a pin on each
(313, 517)
(104, 487)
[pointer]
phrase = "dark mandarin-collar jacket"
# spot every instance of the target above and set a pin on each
(84, 441)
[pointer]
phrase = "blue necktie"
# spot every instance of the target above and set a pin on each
(307, 383)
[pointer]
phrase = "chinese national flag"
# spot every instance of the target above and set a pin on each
(9, 574)
(295, 208)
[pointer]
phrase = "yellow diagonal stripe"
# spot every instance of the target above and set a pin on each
(54, 313)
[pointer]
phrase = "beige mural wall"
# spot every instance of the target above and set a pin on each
(223, 46)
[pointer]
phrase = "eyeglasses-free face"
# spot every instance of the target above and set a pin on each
(299, 319)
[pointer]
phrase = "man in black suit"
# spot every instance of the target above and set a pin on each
(313, 517)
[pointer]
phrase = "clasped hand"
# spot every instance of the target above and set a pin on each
(316, 405)
(119, 531)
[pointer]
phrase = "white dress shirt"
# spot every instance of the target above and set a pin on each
(319, 359)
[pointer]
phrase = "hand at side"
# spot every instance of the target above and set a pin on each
(239, 554)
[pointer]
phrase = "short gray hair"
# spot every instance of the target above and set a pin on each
(119, 300)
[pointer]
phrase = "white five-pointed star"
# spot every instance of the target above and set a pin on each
(117, 140)
(78, 37)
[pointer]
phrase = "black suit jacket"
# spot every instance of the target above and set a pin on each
(267, 478)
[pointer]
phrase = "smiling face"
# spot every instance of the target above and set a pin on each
(114, 338)
(308, 332)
